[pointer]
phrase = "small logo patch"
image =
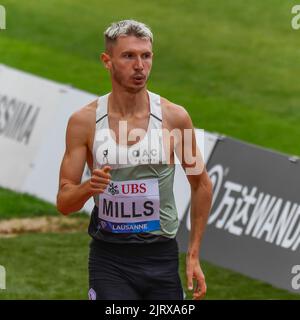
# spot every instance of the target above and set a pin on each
(92, 294)
(105, 154)
(113, 189)
(103, 224)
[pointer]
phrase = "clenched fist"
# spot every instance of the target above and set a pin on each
(99, 180)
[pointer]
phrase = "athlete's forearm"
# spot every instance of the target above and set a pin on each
(201, 198)
(71, 198)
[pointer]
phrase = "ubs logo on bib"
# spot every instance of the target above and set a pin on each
(128, 188)
(133, 188)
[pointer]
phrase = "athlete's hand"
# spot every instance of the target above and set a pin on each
(99, 180)
(194, 271)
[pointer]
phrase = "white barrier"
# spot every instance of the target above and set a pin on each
(28, 106)
(33, 118)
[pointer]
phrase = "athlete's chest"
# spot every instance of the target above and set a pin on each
(128, 131)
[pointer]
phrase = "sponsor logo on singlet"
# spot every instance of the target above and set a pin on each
(130, 206)
(92, 294)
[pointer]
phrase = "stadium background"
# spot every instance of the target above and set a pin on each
(233, 65)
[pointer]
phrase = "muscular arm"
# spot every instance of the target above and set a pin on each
(201, 196)
(201, 189)
(191, 160)
(72, 194)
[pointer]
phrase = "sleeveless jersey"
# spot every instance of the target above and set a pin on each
(138, 204)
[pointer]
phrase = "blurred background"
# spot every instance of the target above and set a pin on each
(233, 65)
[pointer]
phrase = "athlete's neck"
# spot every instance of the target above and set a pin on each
(126, 104)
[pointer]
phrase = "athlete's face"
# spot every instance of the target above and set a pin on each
(129, 61)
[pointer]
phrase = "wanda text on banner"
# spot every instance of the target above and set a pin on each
(254, 225)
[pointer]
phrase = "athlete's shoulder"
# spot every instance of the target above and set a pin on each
(81, 122)
(175, 115)
(85, 115)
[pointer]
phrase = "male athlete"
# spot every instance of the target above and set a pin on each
(124, 138)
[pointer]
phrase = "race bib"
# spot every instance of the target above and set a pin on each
(130, 206)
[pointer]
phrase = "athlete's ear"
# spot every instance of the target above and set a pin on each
(106, 60)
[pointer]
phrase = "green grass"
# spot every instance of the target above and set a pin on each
(62, 271)
(23, 205)
(233, 64)
(62, 266)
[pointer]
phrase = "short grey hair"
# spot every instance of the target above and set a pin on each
(127, 28)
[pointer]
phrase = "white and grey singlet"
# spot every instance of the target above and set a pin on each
(138, 204)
